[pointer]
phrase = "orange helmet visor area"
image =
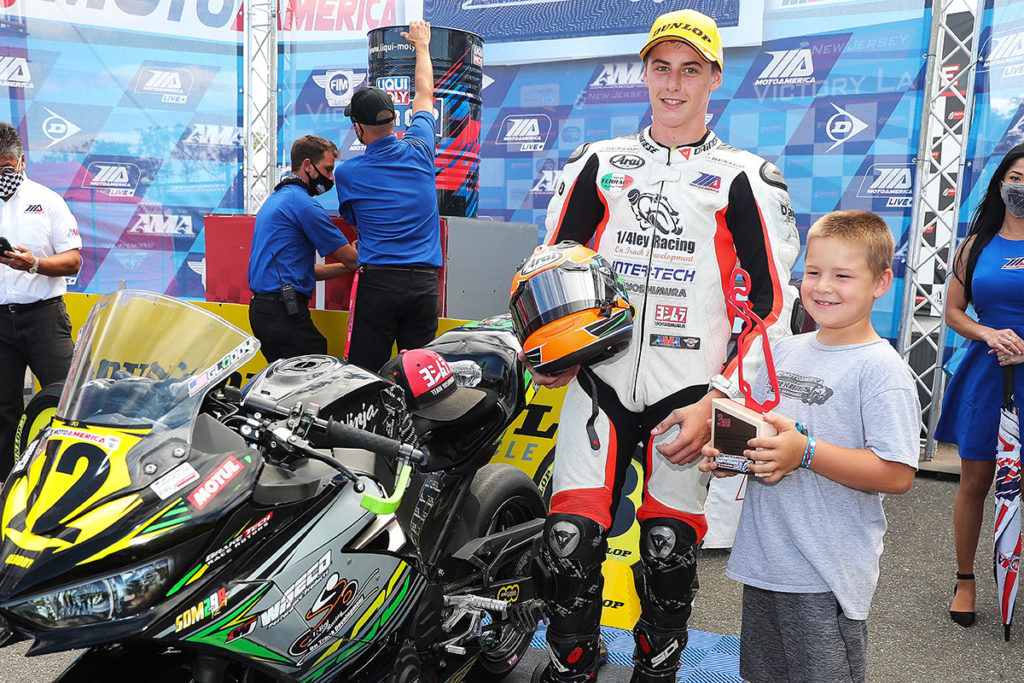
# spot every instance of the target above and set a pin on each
(554, 294)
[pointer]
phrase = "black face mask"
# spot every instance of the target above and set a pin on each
(320, 184)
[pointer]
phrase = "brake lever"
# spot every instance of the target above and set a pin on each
(292, 441)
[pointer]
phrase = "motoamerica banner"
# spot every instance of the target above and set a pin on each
(219, 20)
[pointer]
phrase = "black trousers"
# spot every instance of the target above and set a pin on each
(394, 304)
(282, 335)
(36, 336)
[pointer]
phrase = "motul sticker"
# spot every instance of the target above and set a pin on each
(215, 483)
(175, 480)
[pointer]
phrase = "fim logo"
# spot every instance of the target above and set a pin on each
(524, 133)
(788, 67)
(172, 85)
(57, 128)
(116, 179)
(163, 224)
(338, 85)
(397, 88)
(894, 183)
(14, 72)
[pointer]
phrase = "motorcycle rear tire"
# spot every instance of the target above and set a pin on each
(500, 496)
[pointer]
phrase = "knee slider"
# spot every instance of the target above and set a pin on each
(567, 568)
(669, 556)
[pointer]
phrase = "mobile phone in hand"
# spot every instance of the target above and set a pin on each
(5, 246)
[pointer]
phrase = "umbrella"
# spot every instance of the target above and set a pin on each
(1006, 554)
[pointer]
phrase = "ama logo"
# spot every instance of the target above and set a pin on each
(892, 182)
(617, 82)
(14, 72)
(163, 224)
(172, 85)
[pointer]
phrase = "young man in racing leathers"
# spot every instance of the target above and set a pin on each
(675, 209)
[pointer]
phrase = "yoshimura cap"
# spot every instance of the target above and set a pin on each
(429, 385)
(368, 104)
(697, 30)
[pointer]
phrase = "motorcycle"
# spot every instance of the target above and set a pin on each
(306, 527)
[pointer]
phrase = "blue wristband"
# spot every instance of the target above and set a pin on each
(802, 428)
(812, 443)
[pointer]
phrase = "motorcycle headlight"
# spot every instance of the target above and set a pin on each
(101, 599)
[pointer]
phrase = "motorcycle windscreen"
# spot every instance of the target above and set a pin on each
(147, 360)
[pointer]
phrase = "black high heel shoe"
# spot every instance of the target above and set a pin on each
(965, 619)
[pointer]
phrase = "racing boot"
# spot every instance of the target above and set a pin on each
(572, 659)
(657, 652)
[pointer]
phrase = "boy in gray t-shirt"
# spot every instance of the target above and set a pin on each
(807, 546)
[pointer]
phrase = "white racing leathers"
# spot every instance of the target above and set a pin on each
(674, 222)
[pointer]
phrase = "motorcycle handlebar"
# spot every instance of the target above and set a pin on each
(341, 435)
(345, 436)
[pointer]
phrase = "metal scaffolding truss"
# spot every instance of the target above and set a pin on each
(259, 95)
(946, 116)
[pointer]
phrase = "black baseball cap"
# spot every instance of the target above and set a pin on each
(368, 104)
(429, 385)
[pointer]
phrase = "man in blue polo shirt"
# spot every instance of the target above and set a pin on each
(290, 225)
(390, 196)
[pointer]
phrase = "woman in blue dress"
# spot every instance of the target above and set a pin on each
(989, 273)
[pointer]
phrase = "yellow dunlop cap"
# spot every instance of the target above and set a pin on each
(693, 28)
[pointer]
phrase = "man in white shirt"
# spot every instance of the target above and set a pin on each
(35, 330)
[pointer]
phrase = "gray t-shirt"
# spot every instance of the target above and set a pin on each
(807, 533)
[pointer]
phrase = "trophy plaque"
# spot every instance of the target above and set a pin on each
(733, 424)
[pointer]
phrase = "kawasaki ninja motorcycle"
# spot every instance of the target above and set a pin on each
(305, 527)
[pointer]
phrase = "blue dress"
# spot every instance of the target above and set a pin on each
(970, 407)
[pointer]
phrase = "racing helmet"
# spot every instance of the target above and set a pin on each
(569, 307)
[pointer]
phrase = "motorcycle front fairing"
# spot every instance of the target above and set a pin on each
(105, 509)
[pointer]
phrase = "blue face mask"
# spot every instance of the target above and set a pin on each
(10, 181)
(1013, 197)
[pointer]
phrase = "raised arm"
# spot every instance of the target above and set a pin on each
(418, 36)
